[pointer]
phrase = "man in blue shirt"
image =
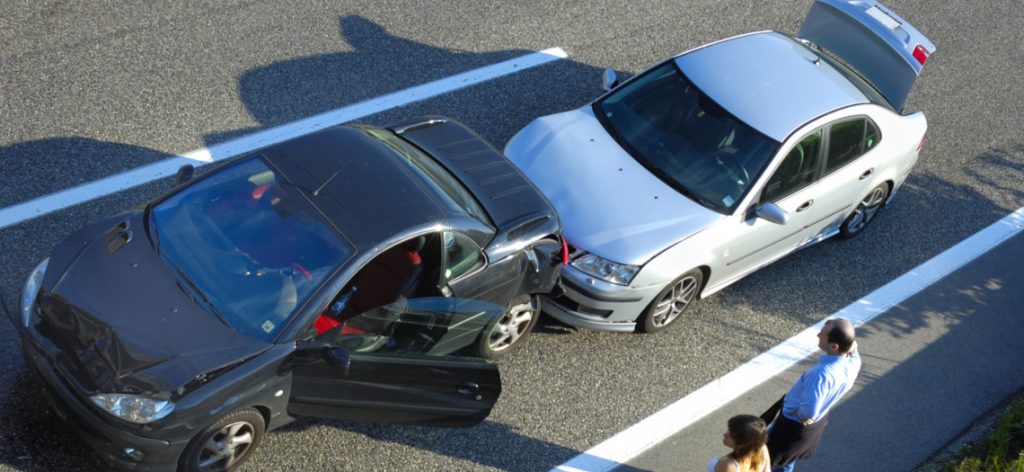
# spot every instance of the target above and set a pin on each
(796, 432)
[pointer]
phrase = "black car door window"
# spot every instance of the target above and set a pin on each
(797, 170)
(462, 256)
(428, 326)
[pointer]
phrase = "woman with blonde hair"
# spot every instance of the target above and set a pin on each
(746, 436)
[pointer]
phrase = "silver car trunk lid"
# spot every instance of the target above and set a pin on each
(877, 43)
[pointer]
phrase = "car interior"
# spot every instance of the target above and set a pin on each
(411, 269)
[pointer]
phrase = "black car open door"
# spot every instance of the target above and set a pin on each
(413, 361)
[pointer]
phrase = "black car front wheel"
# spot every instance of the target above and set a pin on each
(226, 443)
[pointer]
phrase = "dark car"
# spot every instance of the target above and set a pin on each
(356, 273)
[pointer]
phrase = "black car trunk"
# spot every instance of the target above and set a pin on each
(121, 320)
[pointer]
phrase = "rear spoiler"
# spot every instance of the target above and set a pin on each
(880, 45)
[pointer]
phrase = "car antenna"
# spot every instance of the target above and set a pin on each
(316, 193)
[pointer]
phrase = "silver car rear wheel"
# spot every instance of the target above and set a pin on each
(671, 302)
(866, 211)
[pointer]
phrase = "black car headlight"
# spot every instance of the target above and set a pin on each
(606, 270)
(137, 409)
(31, 291)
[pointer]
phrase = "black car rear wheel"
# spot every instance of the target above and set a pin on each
(226, 443)
(509, 330)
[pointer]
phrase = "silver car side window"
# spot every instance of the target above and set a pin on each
(848, 140)
(797, 170)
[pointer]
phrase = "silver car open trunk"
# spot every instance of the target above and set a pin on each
(877, 43)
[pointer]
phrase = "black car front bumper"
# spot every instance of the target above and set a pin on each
(117, 446)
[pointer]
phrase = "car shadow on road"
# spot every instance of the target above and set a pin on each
(33, 438)
(378, 63)
(68, 160)
(489, 444)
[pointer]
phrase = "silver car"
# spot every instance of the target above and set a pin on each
(719, 161)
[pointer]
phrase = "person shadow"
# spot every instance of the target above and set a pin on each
(376, 63)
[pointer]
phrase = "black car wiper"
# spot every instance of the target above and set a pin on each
(196, 292)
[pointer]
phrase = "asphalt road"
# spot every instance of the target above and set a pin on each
(91, 88)
(915, 394)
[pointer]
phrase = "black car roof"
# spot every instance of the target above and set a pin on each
(360, 185)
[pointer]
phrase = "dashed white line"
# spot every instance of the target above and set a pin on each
(37, 207)
(644, 435)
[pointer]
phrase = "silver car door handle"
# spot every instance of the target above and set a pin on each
(805, 206)
(867, 173)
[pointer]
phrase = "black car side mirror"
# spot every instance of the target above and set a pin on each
(339, 358)
(185, 173)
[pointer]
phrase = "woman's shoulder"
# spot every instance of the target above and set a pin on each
(723, 464)
(767, 464)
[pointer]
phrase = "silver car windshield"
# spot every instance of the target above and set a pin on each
(678, 133)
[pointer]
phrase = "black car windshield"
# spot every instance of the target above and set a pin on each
(248, 244)
(685, 138)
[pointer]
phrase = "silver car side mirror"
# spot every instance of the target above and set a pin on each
(609, 80)
(771, 212)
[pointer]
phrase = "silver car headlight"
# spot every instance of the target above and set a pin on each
(606, 270)
(31, 291)
(134, 408)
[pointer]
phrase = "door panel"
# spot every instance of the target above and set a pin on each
(496, 283)
(415, 361)
(850, 174)
(792, 187)
(396, 390)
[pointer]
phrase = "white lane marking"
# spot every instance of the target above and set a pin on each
(40, 206)
(644, 435)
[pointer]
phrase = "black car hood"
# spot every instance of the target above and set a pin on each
(120, 319)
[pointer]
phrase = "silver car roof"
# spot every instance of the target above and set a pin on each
(769, 81)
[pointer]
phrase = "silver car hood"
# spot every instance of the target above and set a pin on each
(610, 205)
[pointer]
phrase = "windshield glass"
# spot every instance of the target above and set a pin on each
(248, 244)
(685, 138)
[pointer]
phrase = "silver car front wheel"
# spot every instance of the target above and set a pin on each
(671, 302)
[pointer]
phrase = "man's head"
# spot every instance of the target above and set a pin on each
(837, 336)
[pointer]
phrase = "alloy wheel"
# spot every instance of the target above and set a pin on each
(674, 301)
(227, 446)
(866, 210)
(512, 325)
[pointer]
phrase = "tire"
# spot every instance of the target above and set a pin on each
(212, 450)
(514, 325)
(865, 212)
(671, 302)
